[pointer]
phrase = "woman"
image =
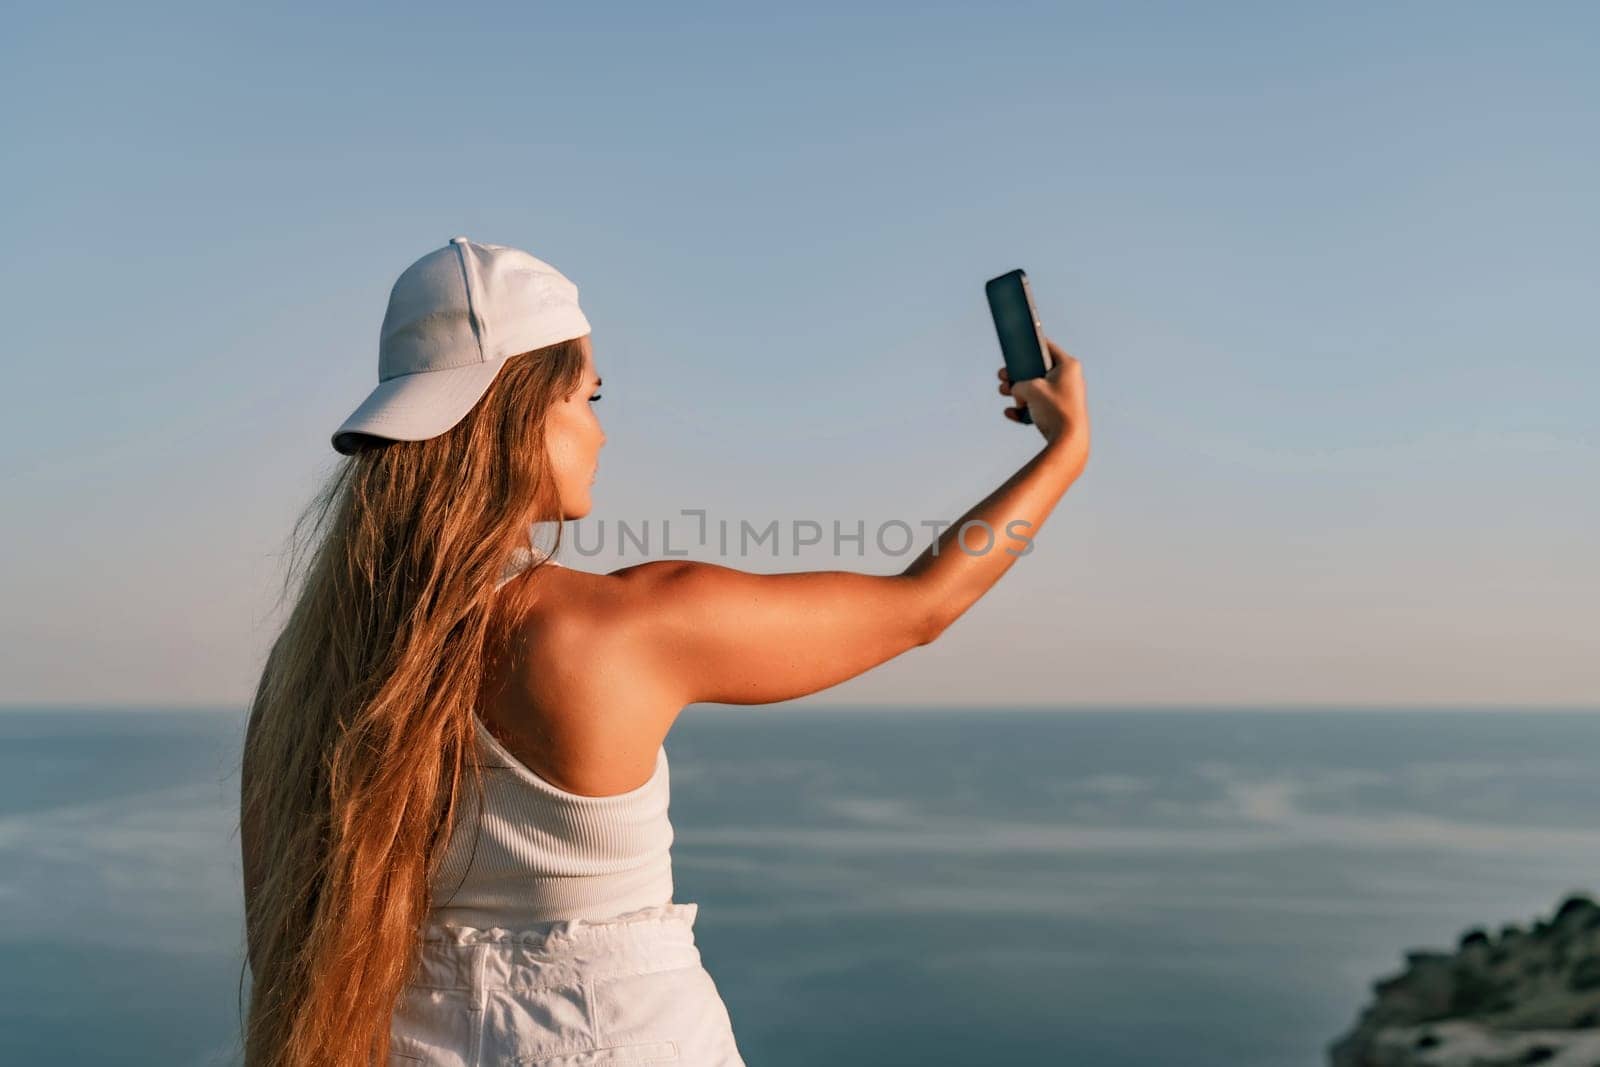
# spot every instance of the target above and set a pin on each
(455, 788)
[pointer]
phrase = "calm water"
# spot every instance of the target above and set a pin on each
(987, 886)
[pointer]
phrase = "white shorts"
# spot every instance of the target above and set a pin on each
(625, 990)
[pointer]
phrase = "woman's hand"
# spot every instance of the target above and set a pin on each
(1056, 401)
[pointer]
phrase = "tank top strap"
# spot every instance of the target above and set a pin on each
(522, 557)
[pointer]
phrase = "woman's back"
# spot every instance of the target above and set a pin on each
(553, 937)
(570, 699)
(529, 850)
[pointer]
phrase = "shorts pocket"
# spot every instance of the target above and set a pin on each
(402, 1058)
(537, 1024)
(646, 1052)
(682, 1003)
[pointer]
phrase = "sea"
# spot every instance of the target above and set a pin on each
(1200, 887)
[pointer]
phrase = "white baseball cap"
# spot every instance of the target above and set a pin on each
(454, 317)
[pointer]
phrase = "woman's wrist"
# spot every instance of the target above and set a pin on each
(1066, 453)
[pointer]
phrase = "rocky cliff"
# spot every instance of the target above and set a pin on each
(1521, 996)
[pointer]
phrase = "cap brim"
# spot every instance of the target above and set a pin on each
(415, 407)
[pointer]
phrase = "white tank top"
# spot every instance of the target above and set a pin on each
(533, 852)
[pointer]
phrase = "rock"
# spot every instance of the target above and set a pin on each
(1585, 975)
(1461, 1043)
(1576, 904)
(1526, 996)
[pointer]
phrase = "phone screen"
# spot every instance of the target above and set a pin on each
(1017, 324)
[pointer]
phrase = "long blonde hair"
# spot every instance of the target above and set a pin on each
(359, 740)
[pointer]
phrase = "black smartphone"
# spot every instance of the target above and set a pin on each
(1016, 320)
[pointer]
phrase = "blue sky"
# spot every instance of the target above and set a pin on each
(1331, 274)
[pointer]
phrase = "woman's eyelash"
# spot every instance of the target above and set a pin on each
(594, 398)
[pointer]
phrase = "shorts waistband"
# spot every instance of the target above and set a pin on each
(557, 952)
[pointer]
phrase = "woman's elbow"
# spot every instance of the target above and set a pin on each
(932, 624)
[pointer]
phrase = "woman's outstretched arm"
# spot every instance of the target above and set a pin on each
(954, 578)
(950, 578)
(709, 633)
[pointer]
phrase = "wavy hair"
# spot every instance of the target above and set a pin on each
(359, 741)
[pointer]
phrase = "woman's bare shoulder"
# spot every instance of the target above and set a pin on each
(575, 701)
